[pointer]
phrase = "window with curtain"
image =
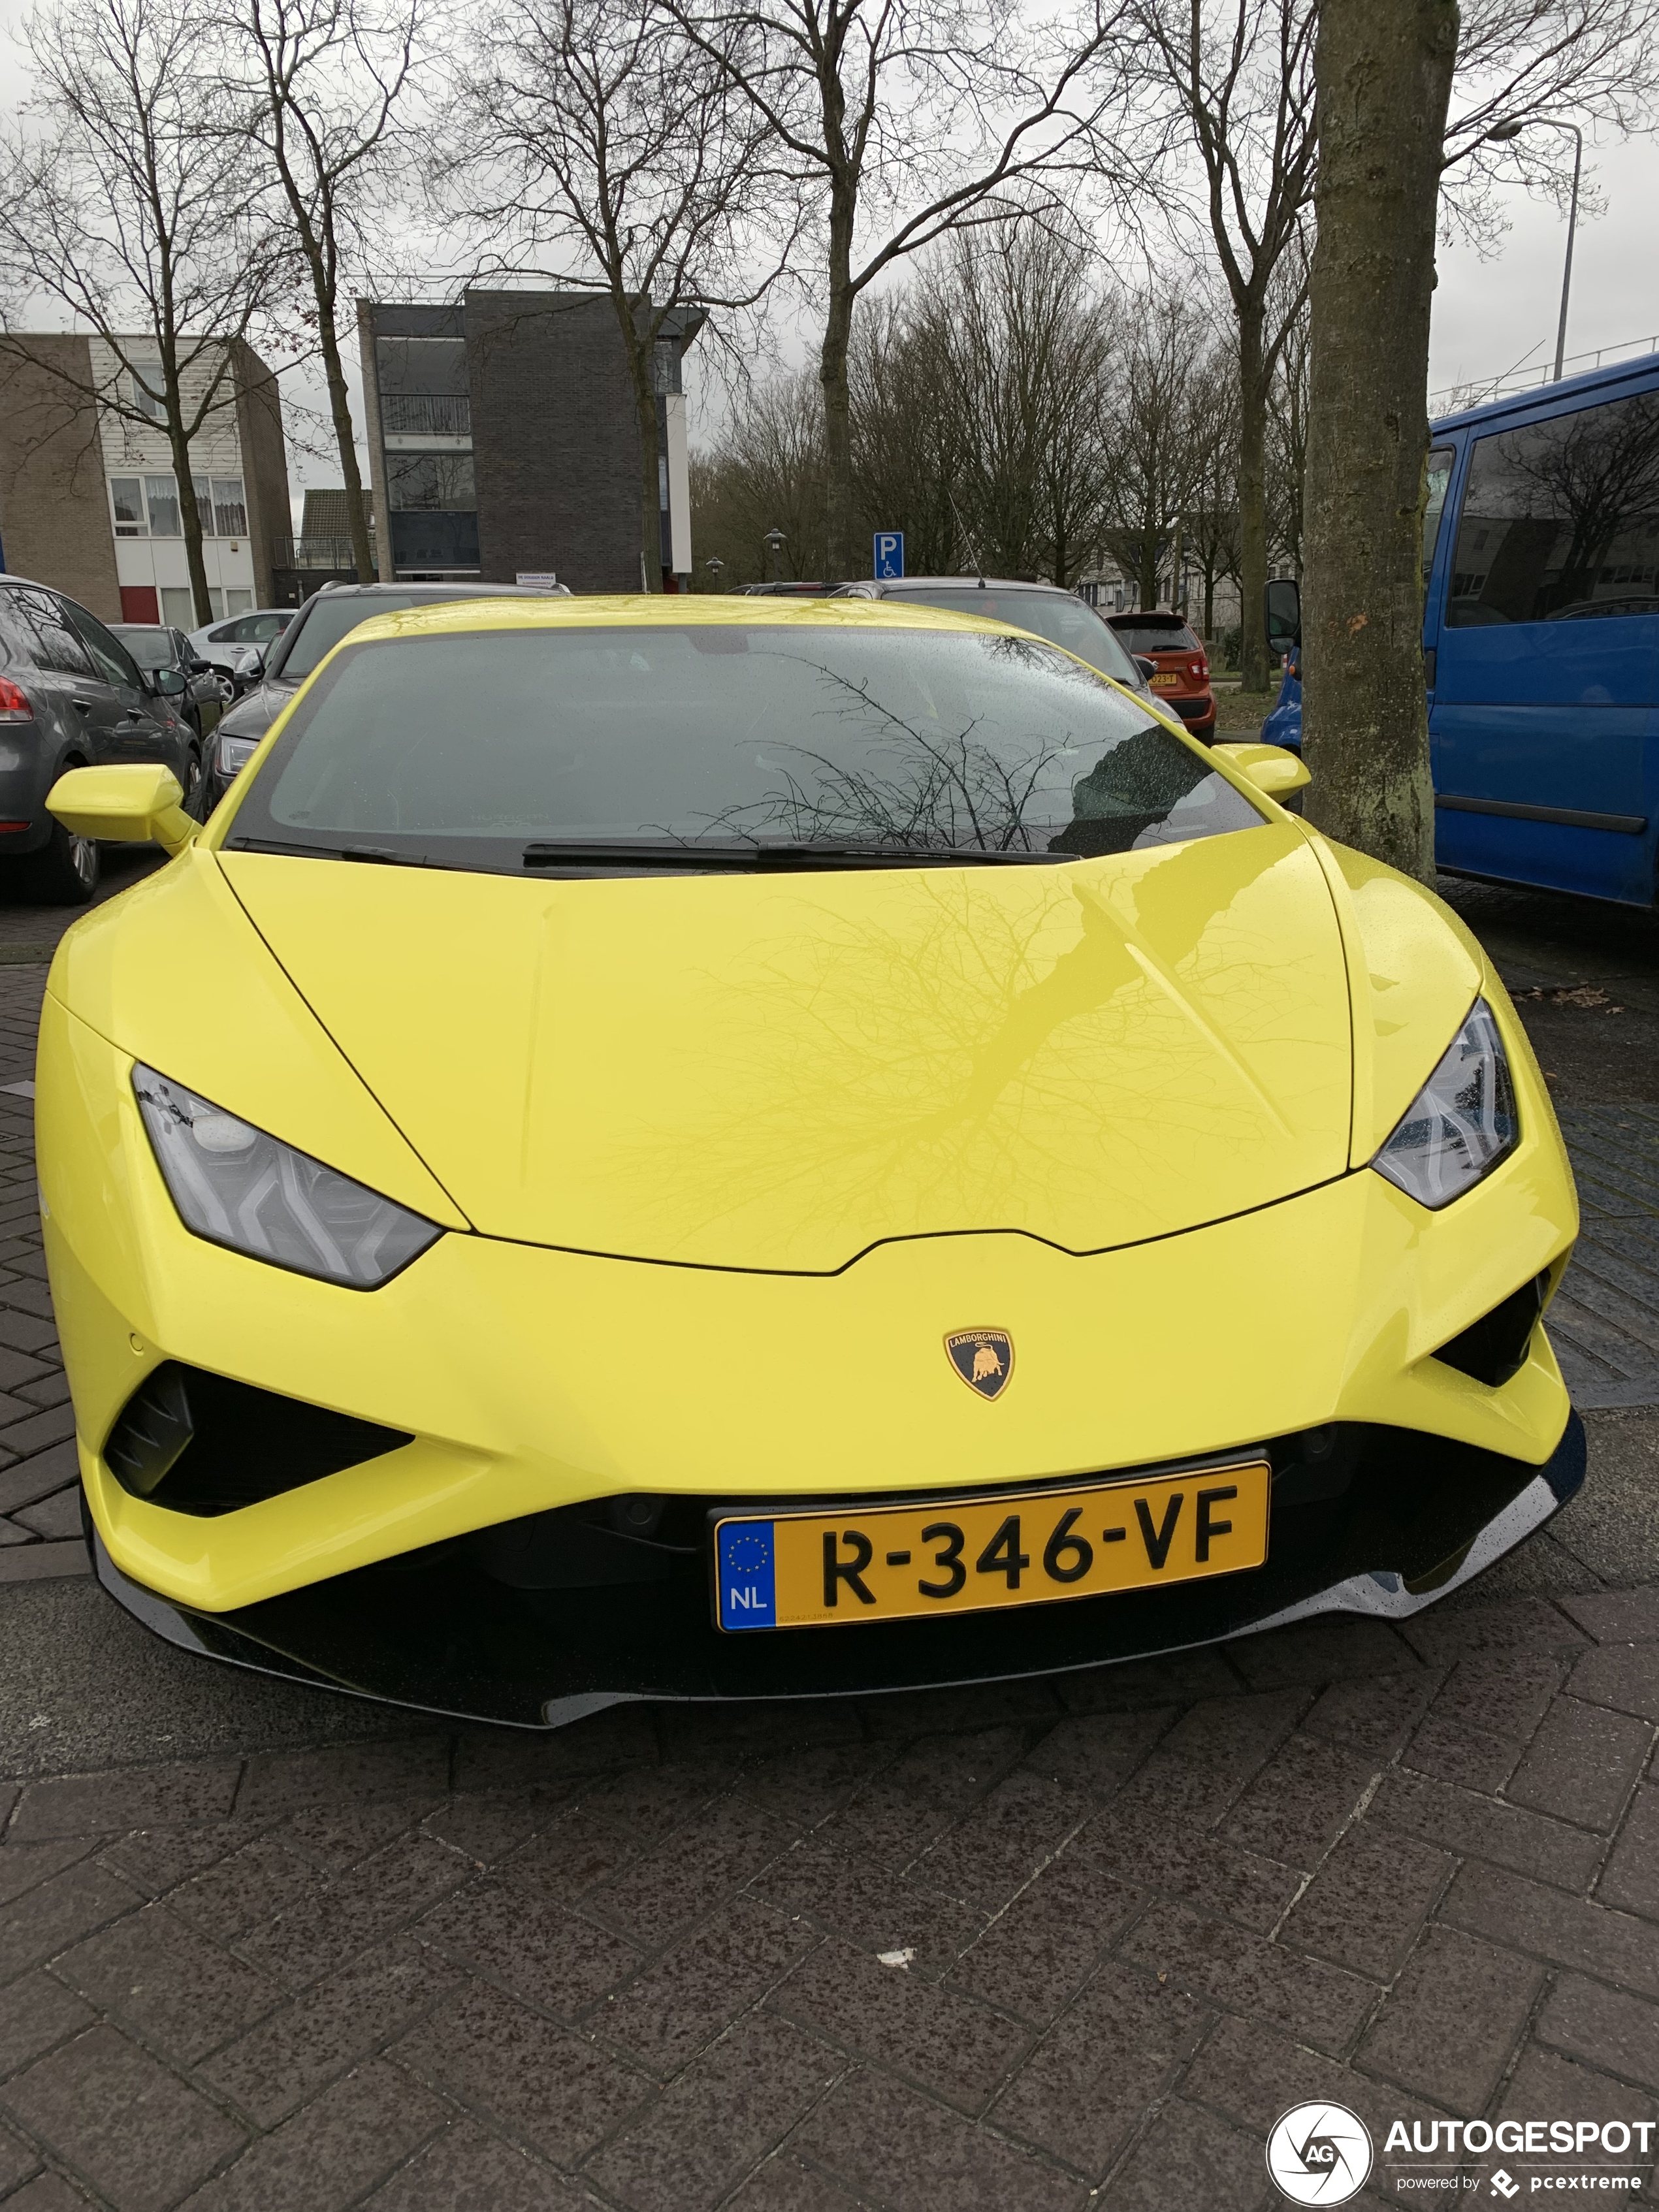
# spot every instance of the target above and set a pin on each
(161, 496)
(127, 496)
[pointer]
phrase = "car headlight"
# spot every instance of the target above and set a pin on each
(236, 753)
(237, 1186)
(1461, 1123)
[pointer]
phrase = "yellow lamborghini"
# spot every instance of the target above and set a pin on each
(703, 1149)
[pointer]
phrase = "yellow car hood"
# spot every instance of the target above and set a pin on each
(778, 1072)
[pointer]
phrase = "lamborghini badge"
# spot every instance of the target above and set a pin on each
(984, 1358)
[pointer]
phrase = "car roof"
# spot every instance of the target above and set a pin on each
(1636, 373)
(897, 584)
(438, 589)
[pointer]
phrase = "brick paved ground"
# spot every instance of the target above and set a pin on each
(1066, 1944)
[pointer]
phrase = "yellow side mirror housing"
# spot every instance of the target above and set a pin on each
(135, 804)
(1271, 768)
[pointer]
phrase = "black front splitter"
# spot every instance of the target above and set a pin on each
(1417, 1517)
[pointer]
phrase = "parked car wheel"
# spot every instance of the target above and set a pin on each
(65, 872)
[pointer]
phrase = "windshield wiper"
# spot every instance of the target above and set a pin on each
(592, 853)
(381, 855)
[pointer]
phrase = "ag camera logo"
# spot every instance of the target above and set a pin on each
(1319, 2155)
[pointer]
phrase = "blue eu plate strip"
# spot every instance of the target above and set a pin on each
(744, 1558)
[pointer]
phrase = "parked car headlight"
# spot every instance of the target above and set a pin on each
(236, 753)
(237, 1186)
(1461, 1123)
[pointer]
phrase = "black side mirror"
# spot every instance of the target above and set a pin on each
(1146, 667)
(170, 682)
(201, 668)
(1283, 605)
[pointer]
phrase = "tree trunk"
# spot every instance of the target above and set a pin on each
(339, 402)
(1252, 499)
(837, 397)
(1383, 71)
(189, 515)
(1146, 577)
(644, 408)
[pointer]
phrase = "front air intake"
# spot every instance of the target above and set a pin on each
(200, 1443)
(1494, 1348)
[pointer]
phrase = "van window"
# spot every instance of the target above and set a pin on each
(1440, 464)
(1560, 519)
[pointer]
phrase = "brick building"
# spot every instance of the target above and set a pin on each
(503, 443)
(89, 500)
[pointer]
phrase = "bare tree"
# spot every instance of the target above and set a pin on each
(595, 127)
(1241, 75)
(134, 212)
(903, 119)
(1158, 434)
(1287, 423)
(1213, 511)
(1385, 74)
(767, 475)
(317, 83)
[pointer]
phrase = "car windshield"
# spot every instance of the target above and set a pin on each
(722, 745)
(150, 648)
(326, 621)
(1060, 616)
(1149, 635)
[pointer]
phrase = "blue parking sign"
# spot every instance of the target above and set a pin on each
(890, 554)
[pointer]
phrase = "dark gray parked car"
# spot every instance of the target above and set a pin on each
(154, 645)
(326, 617)
(71, 695)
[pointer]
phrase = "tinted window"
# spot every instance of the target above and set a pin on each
(430, 481)
(468, 748)
(1056, 616)
(325, 622)
(1146, 635)
(1560, 519)
(150, 648)
(18, 648)
(1442, 459)
(56, 644)
(111, 657)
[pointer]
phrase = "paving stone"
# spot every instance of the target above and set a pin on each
(156, 1860)
(685, 1999)
(41, 1562)
(411, 1768)
(488, 1829)
(17, 2161)
(1176, 1680)
(878, 1910)
(556, 2090)
(142, 2137)
(1605, 2027)
(47, 2192)
(1443, 1632)
(1094, 1752)
(346, 1913)
(1479, 1725)
(962, 1707)
(900, 1811)
(1008, 1835)
(804, 1788)
(766, 1727)
(37, 1430)
(1083, 2092)
(893, 2148)
(1367, 1906)
(946, 2042)
(25, 1866)
(784, 2184)
(1569, 1931)
(728, 2109)
(237, 1893)
(508, 1759)
(1244, 1974)
(1180, 1860)
(1623, 1675)
(1630, 1881)
(1239, 1735)
(35, 2013)
(38, 1476)
(125, 1797)
(464, 2170)
(1546, 2082)
(647, 1803)
(1049, 1941)
(327, 2155)
(55, 1517)
(57, 1913)
(1187, 2158)
(181, 1994)
(699, 1867)
(17, 1367)
(1373, 1718)
(1581, 1764)
(1320, 1652)
(552, 1958)
(1483, 1828)
(571, 1855)
(1250, 2074)
(1617, 1616)
(341, 1833)
(1447, 2026)
(1299, 1802)
(327, 2029)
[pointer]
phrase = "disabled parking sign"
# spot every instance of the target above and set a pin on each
(889, 556)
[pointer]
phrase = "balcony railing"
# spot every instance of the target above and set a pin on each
(427, 415)
(316, 552)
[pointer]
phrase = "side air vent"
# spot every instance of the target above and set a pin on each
(200, 1443)
(1494, 1348)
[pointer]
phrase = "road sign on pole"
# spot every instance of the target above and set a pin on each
(889, 556)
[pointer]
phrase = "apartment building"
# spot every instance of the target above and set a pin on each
(89, 498)
(503, 441)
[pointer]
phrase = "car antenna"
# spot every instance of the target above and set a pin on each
(967, 540)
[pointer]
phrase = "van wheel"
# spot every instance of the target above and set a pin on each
(64, 873)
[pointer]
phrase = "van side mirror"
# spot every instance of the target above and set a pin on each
(1283, 605)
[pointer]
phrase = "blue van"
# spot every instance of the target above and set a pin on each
(1540, 636)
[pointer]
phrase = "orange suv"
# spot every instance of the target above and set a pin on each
(1177, 669)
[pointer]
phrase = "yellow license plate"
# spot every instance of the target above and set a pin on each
(970, 1554)
(1163, 683)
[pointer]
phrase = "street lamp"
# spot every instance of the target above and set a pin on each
(716, 568)
(1503, 132)
(775, 542)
